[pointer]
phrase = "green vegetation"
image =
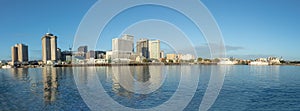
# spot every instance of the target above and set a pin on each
(199, 59)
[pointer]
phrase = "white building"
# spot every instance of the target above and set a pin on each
(108, 55)
(274, 60)
(187, 57)
(122, 47)
(154, 49)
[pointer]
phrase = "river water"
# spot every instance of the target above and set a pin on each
(144, 87)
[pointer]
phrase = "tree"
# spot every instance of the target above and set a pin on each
(216, 60)
(199, 59)
(144, 60)
(163, 60)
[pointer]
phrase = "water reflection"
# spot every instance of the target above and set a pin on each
(50, 83)
(265, 71)
(138, 79)
(20, 73)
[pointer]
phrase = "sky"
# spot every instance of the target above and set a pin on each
(250, 28)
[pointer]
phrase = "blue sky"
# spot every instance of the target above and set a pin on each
(251, 28)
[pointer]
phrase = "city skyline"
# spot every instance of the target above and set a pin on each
(276, 34)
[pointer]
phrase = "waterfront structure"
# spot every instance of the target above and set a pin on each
(49, 48)
(154, 49)
(19, 53)
(122, 47)
(259, 61)
(142, 48)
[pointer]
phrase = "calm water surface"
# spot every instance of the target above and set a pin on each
(245, 87)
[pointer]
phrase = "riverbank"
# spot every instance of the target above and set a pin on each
(132, 64)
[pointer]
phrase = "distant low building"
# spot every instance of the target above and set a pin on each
(95, 54)
(187, 57)
(273, 60)
(171, 57)
(66, 56)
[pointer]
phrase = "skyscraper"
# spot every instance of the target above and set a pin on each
(49, 47)
(19, 53)
(142, 48)
(122, 47)
(154, 49)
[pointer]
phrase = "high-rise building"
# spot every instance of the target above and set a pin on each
(14, 54)
(49, 47)
(154, 49)
(142, 48)
(19, 53)
(122, 47)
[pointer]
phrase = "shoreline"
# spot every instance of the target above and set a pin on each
(138, 64)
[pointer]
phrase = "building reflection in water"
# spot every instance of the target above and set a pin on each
(50, 83)
(116, 86)
(128, 80)
(20, 73)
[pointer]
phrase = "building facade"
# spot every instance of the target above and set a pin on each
(83, 49)
(49, 47)
(154, 49)
(19, 53)
(142, 48)
(122, 47)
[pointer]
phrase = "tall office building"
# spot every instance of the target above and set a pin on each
(154, 49)
(19, 53)
(142, 48)
(49, 47)
(122, 47)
